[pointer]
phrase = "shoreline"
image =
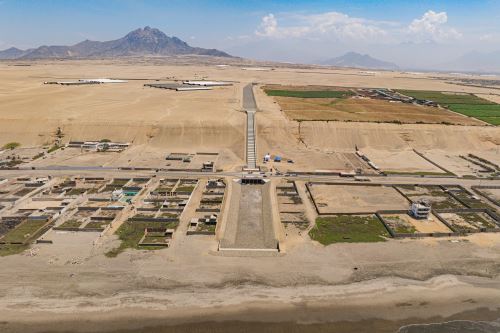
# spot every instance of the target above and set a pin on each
(242, 320)
(383, 303)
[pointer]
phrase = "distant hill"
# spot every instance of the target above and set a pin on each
(140, 42)
(357, 60)
(12, 53)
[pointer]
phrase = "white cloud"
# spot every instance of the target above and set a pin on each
(489, 37)
(268, 26)
(334, 24)
(432, 26)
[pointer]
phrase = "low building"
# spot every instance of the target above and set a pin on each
(207, 83)
(420, 209)
(99, 145)
(116, 195)
(207, 166)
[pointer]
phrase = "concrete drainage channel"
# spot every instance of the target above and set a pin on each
(249, 229)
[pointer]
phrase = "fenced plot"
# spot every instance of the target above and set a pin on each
(492, 193)
(348, 229)
(471, 221)
(131, 234)
(336, 199)
(25, 232)
(402, 162)
(402, 223)
(467, 198)
(434, 194)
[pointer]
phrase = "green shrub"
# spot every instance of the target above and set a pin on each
(11, 145)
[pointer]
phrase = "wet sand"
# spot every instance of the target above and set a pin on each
(260, 320)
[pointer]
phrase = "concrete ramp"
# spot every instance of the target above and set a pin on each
(249, 226)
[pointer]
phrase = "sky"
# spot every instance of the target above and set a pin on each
(413, 34)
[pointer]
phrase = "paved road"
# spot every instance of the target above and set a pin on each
(113, 172)
(249, 103)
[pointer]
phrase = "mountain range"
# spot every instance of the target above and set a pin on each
(357, 60)
(140, 42)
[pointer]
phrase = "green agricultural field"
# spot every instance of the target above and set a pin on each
(131, 232)
(310, 93)
(466, 104)
(446, 98)
(348, 229)
(489, 113)
(486, 110)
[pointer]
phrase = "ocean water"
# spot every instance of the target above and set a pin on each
(456, 326)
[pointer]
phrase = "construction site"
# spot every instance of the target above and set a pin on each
(195, 175)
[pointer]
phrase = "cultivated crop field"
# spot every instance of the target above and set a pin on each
(309, 93)
(488, 113)
(301, 104)
(445, 98)
(466, 104)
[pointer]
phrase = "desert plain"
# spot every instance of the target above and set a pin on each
(67, 279)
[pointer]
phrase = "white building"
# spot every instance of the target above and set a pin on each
(116, 195)
(102, 81)
(207, 83)
(420, 209)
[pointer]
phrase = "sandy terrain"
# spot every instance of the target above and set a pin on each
(71, 279)
(336, 199)
(205, 119)
(120, 112)
(430, 225)
(143, 155)
(454, 163)
(491, 155)
(400, 161)
(494, 193)
(367, 110)
(458, 221)
(67, 285)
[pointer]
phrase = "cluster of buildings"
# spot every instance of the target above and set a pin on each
(207, 213)
(85, 81)
(103, 145)
(392, 96)
(189, 85)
